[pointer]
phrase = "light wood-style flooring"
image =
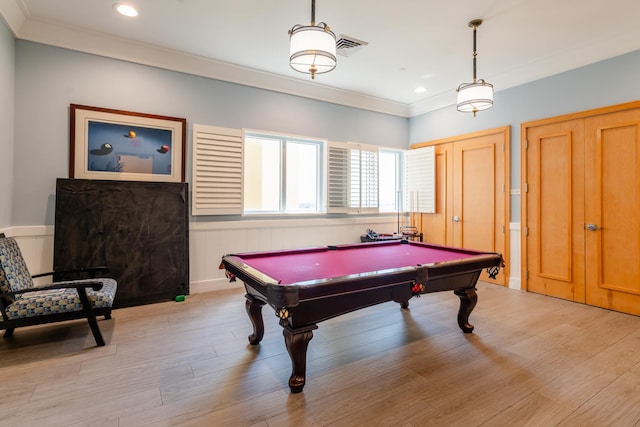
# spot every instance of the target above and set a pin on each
(532, 360)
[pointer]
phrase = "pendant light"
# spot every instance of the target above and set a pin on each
(478, 95)
(312, 47)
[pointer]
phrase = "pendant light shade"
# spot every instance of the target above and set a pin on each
(474, 97)
(477, 95)
(312, 48)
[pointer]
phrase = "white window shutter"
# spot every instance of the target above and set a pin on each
(420, 188)
(338, 182)
(217, 171)
(352, 178)
(369, 187)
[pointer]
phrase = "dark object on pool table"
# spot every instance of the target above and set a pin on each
(405, 233)
(307, 286)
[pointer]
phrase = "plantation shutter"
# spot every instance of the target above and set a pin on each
(338, 178)
(352, 178)
(420, 188)
(217, 171)
(369, 178)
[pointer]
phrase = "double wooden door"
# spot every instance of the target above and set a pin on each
(471, 198)
(581, 200)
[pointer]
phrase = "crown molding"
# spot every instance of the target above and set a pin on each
(13, 13)
(435, 102)
(31, 29)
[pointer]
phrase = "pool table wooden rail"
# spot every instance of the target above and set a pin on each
(437, 276)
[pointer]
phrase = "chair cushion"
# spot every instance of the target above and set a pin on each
(14, 274)
(13, 266)
(39, 303)
(4, 287)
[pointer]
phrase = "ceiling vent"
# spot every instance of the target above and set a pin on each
(347, 46)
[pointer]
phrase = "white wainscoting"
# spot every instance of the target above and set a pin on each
(209, 241)
(515, 256)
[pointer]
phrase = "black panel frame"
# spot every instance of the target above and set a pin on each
(139, 230)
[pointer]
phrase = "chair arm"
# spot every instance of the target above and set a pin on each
(101, 269)
(96, 286)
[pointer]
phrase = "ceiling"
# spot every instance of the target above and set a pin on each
(411, 43)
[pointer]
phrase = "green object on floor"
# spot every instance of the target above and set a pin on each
(179, 298)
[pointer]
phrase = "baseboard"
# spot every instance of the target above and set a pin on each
(29, 231)
(212, 285)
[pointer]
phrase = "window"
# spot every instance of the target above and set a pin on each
(282, 174)
(239, 172)
(391, 178)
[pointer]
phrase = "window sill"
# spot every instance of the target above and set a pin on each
(366, 221)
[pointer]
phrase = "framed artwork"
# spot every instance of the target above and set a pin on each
(126, 146)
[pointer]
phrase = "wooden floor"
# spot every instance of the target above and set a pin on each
(532, 360)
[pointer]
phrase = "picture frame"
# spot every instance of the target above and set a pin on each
(126, 146)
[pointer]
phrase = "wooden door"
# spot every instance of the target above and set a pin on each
(436, 226)
(472, 178)
(553, 200)
(479, 193)
(612, 211)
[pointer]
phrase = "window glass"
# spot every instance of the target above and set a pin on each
(281, 175)
(285, 174)
(390, 176)
(302, 177)
(261, 175)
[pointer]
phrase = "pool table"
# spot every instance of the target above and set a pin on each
(307, 286)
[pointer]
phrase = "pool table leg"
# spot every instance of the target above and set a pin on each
(254, 310)
(468, 301)
(297, 342)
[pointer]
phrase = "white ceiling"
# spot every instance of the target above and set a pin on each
(411, 43)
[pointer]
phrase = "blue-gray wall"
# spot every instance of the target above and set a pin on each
(35, 147)
(48, 79)
(609, 82)
(7, 103)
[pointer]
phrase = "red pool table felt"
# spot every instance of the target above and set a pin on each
(301, 265)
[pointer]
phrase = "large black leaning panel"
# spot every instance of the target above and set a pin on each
(139, 230)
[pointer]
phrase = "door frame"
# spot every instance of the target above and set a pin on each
(505, 132)
(524, 129)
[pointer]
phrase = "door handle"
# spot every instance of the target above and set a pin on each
(592, 227)
(456, 219)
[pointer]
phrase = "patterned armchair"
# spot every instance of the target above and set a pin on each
(23, 304)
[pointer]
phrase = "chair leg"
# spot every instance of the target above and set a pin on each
(91, 317)
(8, 332)
(93, 323)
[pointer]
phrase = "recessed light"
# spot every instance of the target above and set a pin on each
(420, 89)
(125, 9)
